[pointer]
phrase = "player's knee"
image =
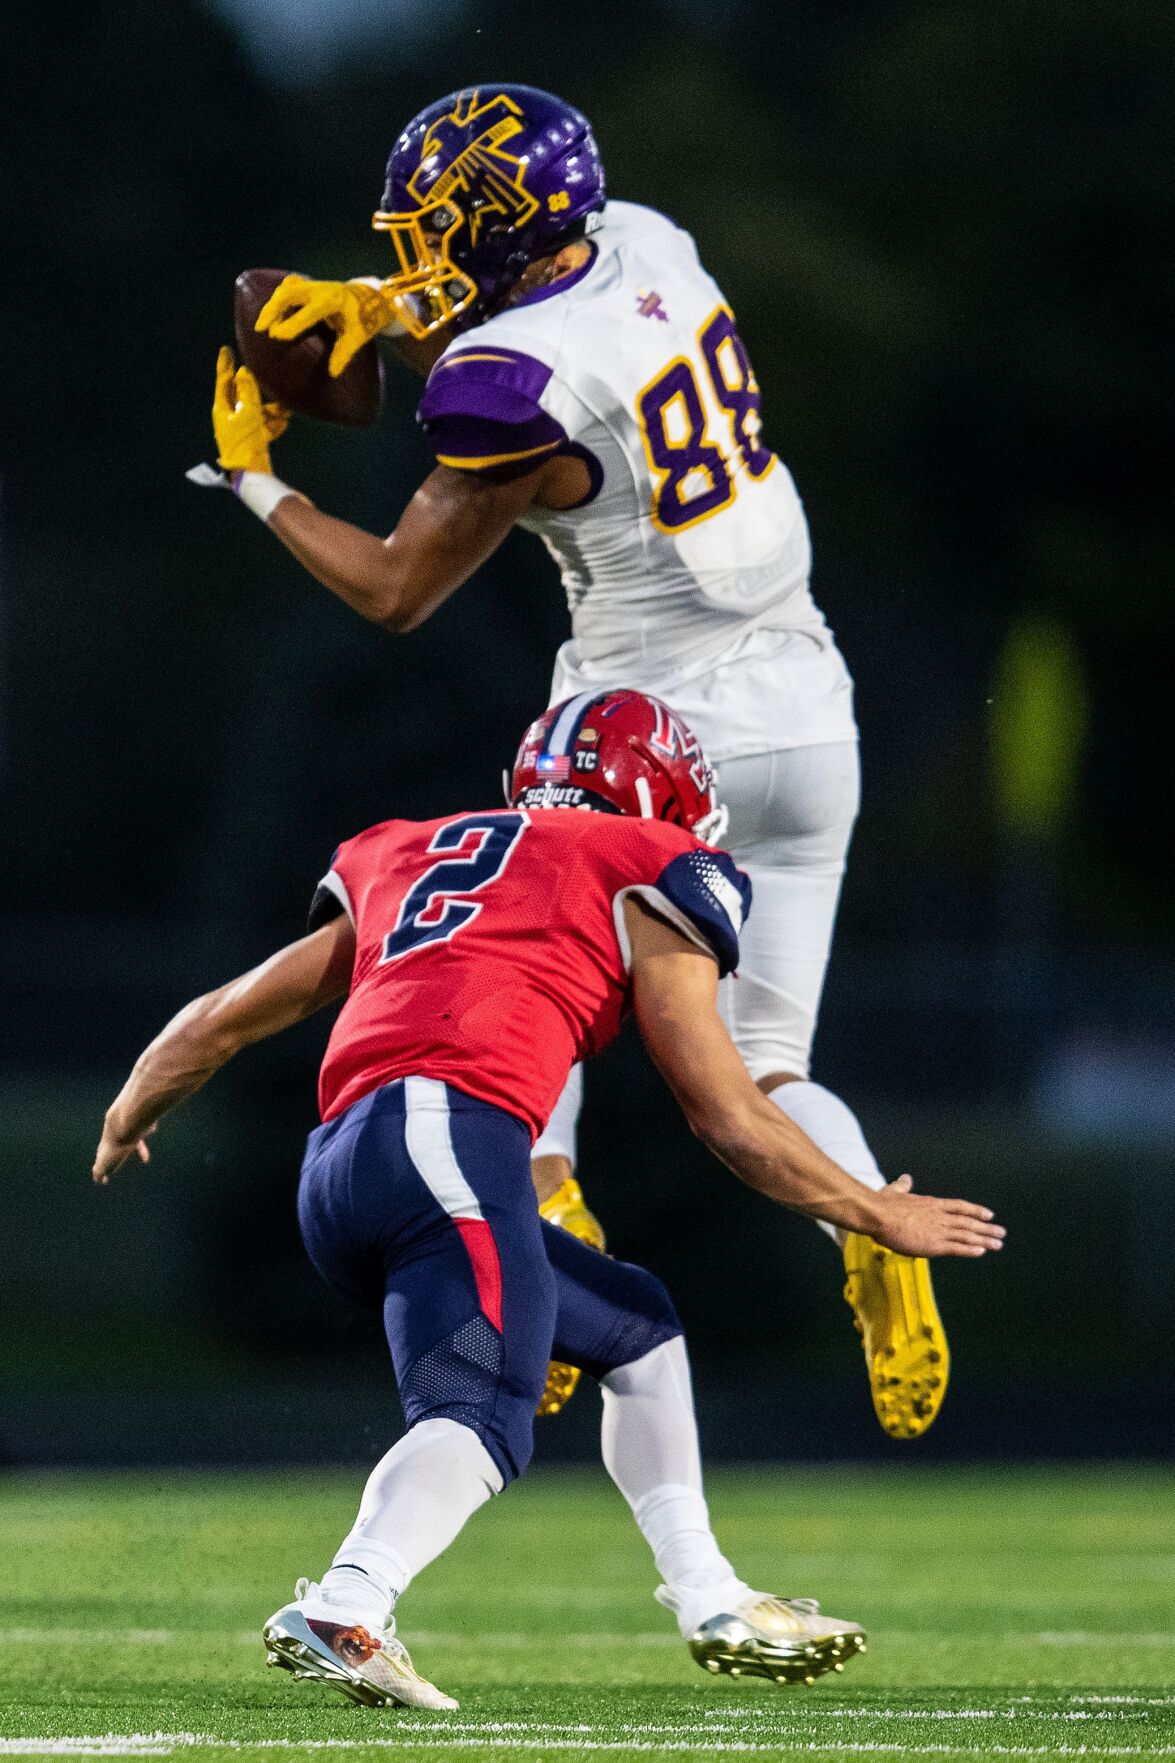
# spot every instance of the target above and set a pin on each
(782, 1057)
(466, 1378)
(656, 1306)
(507, 1432)
(647, 1320)
(505, 1427)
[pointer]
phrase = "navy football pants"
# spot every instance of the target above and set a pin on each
(419, 1199)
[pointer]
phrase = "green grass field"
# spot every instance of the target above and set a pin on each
(1011, 1614)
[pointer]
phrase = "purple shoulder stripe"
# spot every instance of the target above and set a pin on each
(482, 382)
(481, 410)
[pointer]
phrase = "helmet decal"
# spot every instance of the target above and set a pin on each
(467, 141)
(673, 740)
(478, 185)
(621, 751)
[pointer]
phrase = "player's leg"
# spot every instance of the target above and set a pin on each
(618, 1323)
(424, 1203)
(561, 1202)
(791, 820)
(792, 816)
(469, 1311)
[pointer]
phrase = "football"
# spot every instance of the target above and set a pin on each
(295, 373)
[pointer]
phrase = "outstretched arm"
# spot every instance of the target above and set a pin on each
(675, 989)
(207, 1032)
(454, 522)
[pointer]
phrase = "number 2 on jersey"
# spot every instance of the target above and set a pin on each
(480, 846)
(672, 417)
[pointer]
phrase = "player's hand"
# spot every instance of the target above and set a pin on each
(355, 312)
(568, 1209)
(919, 1224)
(114, 1150)
(243, 425)
(562, 1382)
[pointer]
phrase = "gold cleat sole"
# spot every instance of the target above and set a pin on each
(906, 1350)
(723, 1645)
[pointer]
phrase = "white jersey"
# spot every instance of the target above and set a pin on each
(691, 548)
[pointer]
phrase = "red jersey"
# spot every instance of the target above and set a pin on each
(491, 951)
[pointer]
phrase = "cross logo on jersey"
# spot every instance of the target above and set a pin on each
(649, 306)
(471, 140)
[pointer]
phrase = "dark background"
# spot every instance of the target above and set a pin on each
(946, 229)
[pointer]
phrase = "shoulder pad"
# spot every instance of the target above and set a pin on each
(481, 410)
(709, 890)
(330, 898)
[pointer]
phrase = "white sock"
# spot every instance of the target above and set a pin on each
(417, 1499)
(832, 1124)
(649, 1442)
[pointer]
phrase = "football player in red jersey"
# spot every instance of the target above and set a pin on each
(482, 955)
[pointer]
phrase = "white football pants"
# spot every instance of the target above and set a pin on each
(791, 819)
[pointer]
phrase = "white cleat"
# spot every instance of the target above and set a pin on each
(374, 1670)
(786, 1639)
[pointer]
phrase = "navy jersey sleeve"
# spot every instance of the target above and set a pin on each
(481, 412)
(709, 897)
(330, 898)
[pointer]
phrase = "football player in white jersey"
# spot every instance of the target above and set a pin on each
(586, 380)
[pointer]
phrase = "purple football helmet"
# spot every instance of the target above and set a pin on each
(477, 186)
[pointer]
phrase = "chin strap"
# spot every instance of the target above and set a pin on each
(712, 827)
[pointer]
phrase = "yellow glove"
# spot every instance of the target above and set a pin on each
(562, 1381)
(567, 1209)
(353, 310)
(242, 424)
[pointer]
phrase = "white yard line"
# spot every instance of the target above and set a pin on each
(1049, 1637)
(1082, 1637)
(703, 1744)
(642, 1729)
(166, 1744)
(93, 1637)
(415, 1732)
(514, 1639)
(1138, 1700)
(114, 1744)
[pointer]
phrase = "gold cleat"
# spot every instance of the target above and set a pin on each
(786, 1639)
(567, 1209)
(897, 1318)
(373, 1670)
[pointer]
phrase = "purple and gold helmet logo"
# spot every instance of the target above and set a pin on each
(477, 185)
(468, 143)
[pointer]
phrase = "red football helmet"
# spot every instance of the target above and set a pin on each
(622, 752)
